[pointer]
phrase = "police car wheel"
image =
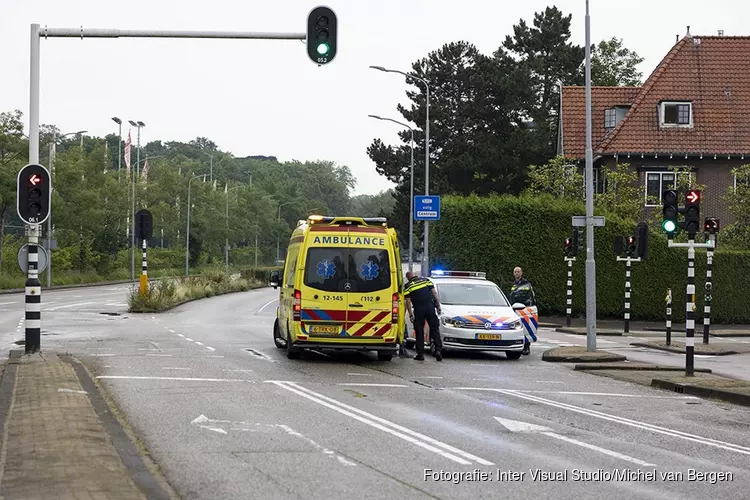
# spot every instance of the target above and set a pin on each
(277, 338)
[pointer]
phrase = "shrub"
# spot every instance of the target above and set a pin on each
(495, 234)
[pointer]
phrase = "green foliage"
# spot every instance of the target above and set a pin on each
(558, 178)
(624, 194)
(507, 231)
(614, 65)
(738, 234)
(168, 293)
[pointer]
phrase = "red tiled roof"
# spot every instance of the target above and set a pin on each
(574, 115)
(709, 71)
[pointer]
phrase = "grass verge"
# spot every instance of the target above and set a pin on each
(171, 292)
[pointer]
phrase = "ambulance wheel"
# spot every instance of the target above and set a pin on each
(385, 356)
(513, 354)
(291, 352)
(277, 338)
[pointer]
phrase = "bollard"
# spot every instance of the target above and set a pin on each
(669, 316)
(569, 300)
(144, 273)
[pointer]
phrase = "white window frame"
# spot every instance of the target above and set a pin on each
(661, 173)
(747, 181)
(662, 114)
(610, 117)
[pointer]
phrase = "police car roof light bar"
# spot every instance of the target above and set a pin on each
(459, 274)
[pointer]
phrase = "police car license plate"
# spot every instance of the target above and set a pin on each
(325, 329)
(489, 336)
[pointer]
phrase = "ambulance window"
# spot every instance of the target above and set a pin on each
(369, 269)
(325, 269)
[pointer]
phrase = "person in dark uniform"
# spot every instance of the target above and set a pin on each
(522, 292)
(420, 295)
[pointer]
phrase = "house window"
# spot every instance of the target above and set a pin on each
(740, 181)
(610, 118)
(599, 181)
(676, 114)
(657, 183)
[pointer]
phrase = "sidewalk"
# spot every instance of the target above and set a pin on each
(644, 328)
(59, 438)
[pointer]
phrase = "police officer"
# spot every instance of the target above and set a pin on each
(421, 295)
(522, 292)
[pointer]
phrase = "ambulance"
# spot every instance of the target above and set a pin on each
(341, 288)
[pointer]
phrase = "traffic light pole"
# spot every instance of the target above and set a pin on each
(33, 294)
(144, 272)
(668, 300)
(691, 245)
(627, 260)
(707, 303)
(569, 300)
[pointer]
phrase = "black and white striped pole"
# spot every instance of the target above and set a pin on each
(709, 287)
(33, 205)
(569, 300)
(626, 315)
(669, 316)
(144, 272)
(690, 310)
(144, 225)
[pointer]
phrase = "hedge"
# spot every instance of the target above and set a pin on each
(497, 233)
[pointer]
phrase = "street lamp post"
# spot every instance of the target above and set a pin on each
(411, 189)
(278, 238)
(226, 241)
(187, 231)
(52, 152)
(119, 145)
(425, 256)
(138, 124)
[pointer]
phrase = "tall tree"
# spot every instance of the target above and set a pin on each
(13, 156)
(614, 65)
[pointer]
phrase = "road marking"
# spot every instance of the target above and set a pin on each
(174, 368)
(360, 374)
(214, 356)
(409, 435)
(70, 305)
(170, 330)
(225, 370)
(622, 420)
(353, 384)
(549, 382)
(162, 355)
(184, 379)
(101, 354)
(210, 348)
(433, 377)
(622, 395)
(517, 426)
(266, 305)
(189, 339)
(180, 335)
(199, 343)
(17, 302)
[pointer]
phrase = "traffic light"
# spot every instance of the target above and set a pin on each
(692, 211)
(577, 241)
(630, 246)
(711, 225)
(33, 194)
(322, 28)
(670, 211)
(144, 225)
(641, 240)
(569, 249)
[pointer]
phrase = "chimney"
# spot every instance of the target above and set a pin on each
(688, 32)
(721, 32)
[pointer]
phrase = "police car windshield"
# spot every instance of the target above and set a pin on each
(470, 294)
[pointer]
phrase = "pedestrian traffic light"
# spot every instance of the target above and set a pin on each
(630, 246)
(641, 240)
(322, 28)
(670, 211)
(692, 211)
(33, 194)
(711, 225)
(569, 249)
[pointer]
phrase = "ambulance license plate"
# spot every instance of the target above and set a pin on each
(489, 336)
(328, 330)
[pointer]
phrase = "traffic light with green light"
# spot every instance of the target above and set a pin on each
(669, 211)
(322, 28)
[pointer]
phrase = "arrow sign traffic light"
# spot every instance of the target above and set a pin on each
(692, 211)
(33, 194)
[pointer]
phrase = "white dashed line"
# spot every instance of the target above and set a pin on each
(161, 355)
(180, 335)
(174, 368)
(210, 348)
(189, 339)
(199, 343)
(171, 330)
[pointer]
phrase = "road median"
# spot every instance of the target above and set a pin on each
(578, 354)
(700, 348)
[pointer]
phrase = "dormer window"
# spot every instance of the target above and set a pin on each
(676, 114)
(613, 116)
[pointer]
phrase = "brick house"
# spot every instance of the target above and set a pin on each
(693, 111)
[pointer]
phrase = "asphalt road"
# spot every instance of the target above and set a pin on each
(226, 415)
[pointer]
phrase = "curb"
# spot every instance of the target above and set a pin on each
(654, 368)
(681, 351)
(603, 333)
(729, 334)
(572, 358)
(193, 300)
(704, 392)
(549, 325)
(9, 291)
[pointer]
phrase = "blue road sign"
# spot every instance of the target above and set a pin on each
(427, 208)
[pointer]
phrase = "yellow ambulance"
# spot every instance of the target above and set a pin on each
(341, 288)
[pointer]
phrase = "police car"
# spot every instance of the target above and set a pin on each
(477, 316)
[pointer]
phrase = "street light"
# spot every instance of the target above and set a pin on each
(257, 228)
(212, 162)
(411, 188)
(226, 241)
(187, 237)
(278, 238)
(119, 145)
(52, 153)
(425, 256)
(138, 124)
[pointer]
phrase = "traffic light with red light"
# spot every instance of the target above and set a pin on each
(692, 212)
(33, 194)
(630, 246)
(322, 33)
(569, 249)
(711, 225)
(669, 211)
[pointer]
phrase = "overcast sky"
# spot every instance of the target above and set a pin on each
(257, 97)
